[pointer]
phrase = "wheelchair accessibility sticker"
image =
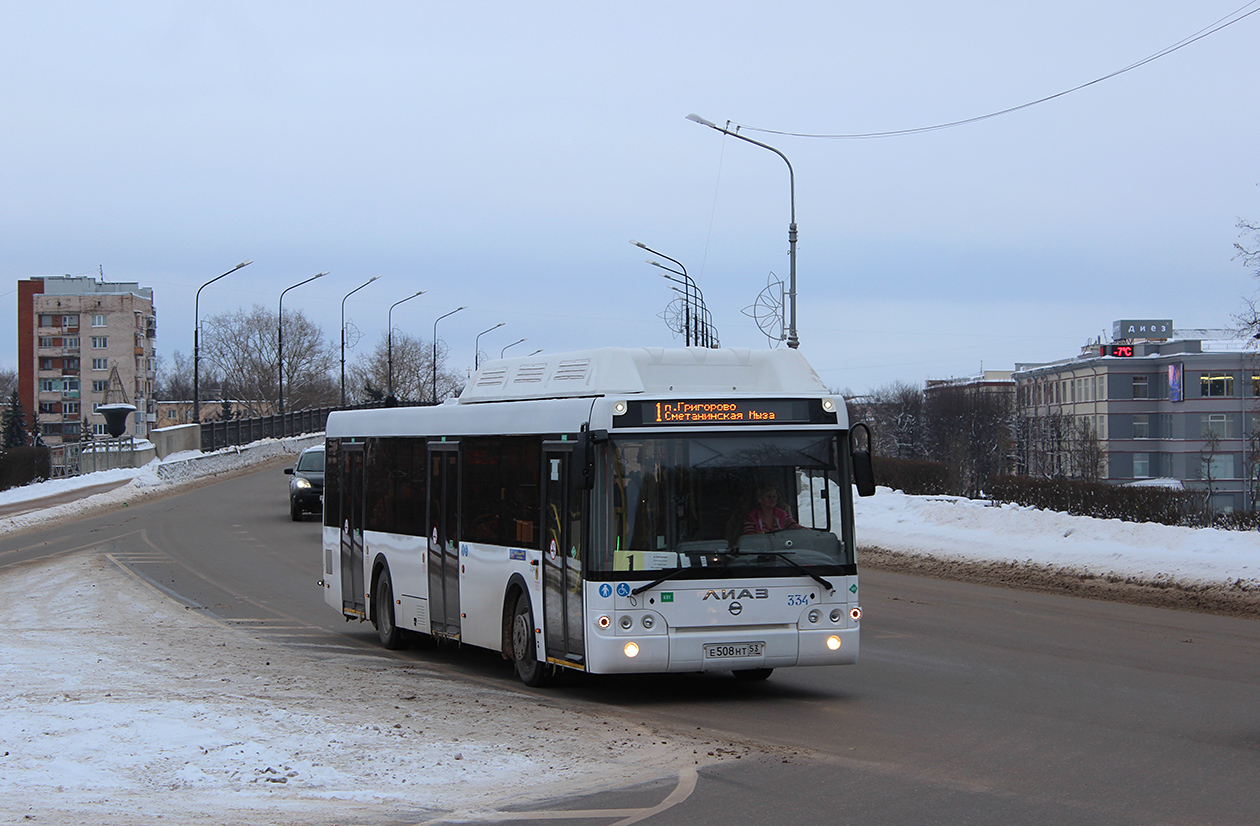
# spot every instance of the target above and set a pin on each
(623, 590)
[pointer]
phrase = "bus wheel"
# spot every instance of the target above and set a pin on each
(752, 675)
(383, 612)
(524, 649)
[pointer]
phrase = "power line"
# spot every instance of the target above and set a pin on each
(1226, 21)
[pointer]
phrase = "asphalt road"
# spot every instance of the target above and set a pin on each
(970, 704)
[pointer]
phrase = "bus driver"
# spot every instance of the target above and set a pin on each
(768, 517)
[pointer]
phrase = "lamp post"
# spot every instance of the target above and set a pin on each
(477, 344)
(513, 344)
(435, 323)
(197, 339)
(792, 341)
(280, 337)
(687, 317)
(389, 342)
(343, 335)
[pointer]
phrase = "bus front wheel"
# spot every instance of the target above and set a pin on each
(524, 645)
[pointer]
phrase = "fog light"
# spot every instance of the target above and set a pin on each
(648, 622)
(814, 615)
(632, 649)
(836, 614)
(833, 642)
(626, 621)
(604, 622)
(856, 613)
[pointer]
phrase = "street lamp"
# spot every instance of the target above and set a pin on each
(792, 341)
(435, 323)
(197, 338)
(389, 339)
(477, 344)
(513, 344)
(687, 316)
(280, 337)
(343, 335)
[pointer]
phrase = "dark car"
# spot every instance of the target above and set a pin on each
(306, 488)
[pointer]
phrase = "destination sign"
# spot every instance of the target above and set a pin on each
(723, 411)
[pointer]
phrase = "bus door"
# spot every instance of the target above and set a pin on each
(351, 506)
(562, 556)
(443, 528)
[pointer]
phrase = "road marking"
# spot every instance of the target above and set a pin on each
(687, 778)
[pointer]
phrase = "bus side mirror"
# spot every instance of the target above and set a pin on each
(863, 467)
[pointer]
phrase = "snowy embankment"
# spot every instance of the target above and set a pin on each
(1016, 545)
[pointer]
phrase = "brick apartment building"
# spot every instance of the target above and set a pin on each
(73, 332)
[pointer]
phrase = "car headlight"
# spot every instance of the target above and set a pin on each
(300, 483)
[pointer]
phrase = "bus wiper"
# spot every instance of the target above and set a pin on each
(786, 556)
(656, 581)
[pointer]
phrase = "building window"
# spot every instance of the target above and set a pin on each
(48, 385)
(69, 321)
(99, 385)
(47, 320)
(1102, 427)
(1217, 466)
(1101, 393)
(1141, 426)
(70, 385)
(1141, 465)
(98, 320)
(1210, 386)
(100, 364)
(99, 430)
(100, 342)
(70, 408)
(1218, 425)
(1141, 387)
(71, 343)
(47, 341)
(47, 407)
(45, 363)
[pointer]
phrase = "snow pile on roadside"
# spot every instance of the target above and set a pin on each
(157, 476)
(122, 706)
(951, 527)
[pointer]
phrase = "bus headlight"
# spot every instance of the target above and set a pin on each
(648, 622)
(626, 621)
(631, 649)
(836, 614)
(815, 615)
(833, 642)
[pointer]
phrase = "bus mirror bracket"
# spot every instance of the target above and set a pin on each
(863, 467)
(583, 474)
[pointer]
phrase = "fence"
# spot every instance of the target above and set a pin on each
(215, 435)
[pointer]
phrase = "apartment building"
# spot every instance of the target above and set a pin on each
(73, 332)
(1154, 403)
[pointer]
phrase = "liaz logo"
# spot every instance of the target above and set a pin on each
(731, 593)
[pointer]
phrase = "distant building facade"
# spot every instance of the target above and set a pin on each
(1153, 403)
(72, 333)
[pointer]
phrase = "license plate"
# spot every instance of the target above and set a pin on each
(725, 650)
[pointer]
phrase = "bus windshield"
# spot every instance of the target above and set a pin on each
(740, 500)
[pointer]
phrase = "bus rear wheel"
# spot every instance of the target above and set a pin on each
(383, 612)
(524, 646)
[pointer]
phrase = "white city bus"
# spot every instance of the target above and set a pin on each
(589, 511)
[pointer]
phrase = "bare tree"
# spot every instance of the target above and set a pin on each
(1087, 451)
(969, 429)
(175, 381)
(8, 382)
(243, 347)
(412, 371)
(897, 411)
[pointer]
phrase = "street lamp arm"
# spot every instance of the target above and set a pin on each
(197, 338)
(791, 174)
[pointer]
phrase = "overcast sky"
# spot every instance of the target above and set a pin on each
(501, 155)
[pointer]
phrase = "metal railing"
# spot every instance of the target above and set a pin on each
(220, 434)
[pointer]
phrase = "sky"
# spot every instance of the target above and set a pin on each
(501, 156)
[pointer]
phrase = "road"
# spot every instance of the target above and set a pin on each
(970, 704)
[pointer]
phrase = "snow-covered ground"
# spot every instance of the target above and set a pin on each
(121, 706)
(212, 724)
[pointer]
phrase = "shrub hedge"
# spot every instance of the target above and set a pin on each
(912, 476)
(1133, 504)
